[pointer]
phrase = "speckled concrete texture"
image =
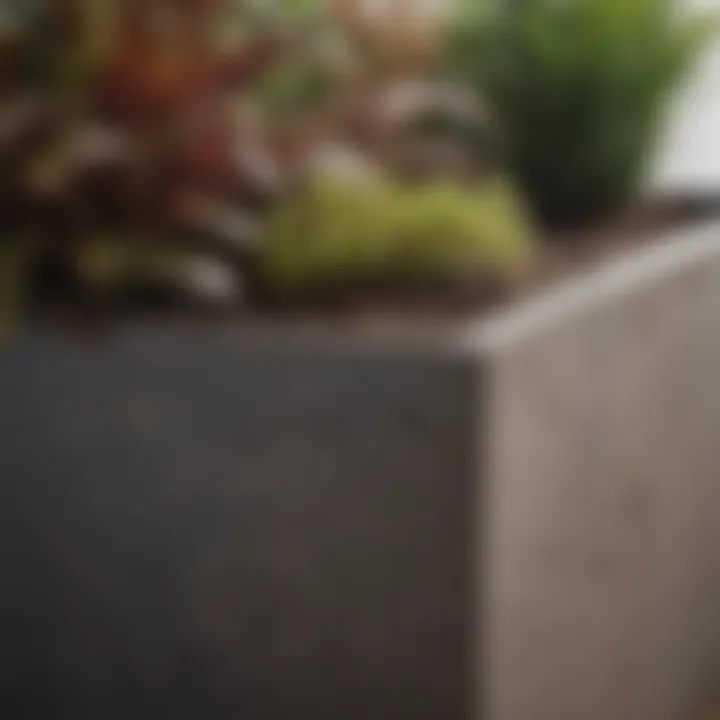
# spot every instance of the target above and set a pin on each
(197, 529)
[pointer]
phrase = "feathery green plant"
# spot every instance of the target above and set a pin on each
(579, 88)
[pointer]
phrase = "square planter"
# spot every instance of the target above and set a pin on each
(514, 519)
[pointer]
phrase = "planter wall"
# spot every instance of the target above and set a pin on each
(198, 527)
(603, 488)
(514, 521)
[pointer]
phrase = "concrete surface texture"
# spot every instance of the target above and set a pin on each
(602, 462)
(199, 528)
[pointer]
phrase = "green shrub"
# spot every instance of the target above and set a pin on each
(579, 88)
(339, 233)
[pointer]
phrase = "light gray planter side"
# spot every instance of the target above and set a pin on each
(197, 529)
(603, 471)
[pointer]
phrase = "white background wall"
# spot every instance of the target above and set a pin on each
(690, 155)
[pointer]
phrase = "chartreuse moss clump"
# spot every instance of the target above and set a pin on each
(338, 232)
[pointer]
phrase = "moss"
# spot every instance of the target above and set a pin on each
(338, 231)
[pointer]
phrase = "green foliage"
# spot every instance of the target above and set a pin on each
(41, 62)
(445, 229)
(53, 61)
(339, 233)
(578, 87)
(106, 263)
(295, 86)
(258, 15)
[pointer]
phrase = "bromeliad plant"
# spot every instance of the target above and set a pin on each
(123, 152)
(140, 150)
(579, 88)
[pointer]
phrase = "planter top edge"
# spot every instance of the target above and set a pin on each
(616, 278)
(301, 338)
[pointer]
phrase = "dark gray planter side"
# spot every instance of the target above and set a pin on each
(197, 527)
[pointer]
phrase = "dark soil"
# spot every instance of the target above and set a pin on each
(566, 252)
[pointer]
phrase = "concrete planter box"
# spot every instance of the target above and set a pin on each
(511, 521)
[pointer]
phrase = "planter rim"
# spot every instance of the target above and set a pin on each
(621, 275)
(614, 278)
